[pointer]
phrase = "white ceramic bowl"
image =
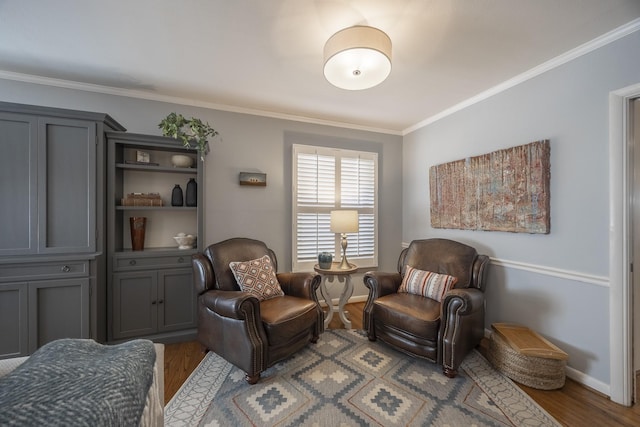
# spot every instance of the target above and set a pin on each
(185, 242)
(181, 161)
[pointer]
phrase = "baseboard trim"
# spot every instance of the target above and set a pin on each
(353, 299)
(359, 298)
(587, 381)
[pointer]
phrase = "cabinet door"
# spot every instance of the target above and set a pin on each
(134, 304)
(58, 309)
(178, 300)
(18, 187)
(13, 320)
(66, 185)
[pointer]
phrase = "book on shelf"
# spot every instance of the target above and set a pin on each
(142, 199)
(141, 202)
(143, 196)
(134, 162)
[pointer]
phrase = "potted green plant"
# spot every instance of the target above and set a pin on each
(193, 132)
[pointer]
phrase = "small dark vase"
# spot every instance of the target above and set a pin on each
(176, 196)
(324, 260)
(192, 193)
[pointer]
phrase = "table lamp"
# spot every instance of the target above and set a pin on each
(344, 222)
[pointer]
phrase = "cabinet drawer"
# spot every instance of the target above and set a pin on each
(137, 263)
(44, 270)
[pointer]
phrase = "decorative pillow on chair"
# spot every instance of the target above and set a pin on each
(426, 283)
(257, 277)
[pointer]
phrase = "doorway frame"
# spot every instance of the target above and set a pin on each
(621, 170)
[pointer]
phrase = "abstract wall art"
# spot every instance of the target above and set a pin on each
(506, 190)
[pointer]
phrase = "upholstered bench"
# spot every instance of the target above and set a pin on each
(526, 357)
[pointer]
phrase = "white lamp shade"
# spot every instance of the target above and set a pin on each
(344, 221)
(357, 58)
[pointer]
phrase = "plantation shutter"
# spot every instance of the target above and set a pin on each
(327, 179)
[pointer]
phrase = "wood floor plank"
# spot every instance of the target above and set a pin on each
(572, 405)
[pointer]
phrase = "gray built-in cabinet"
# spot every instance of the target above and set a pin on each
(151, 292)
(52, 226)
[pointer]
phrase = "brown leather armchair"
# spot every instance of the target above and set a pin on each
(443, 332)
(253, 334)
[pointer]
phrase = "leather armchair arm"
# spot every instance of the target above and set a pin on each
(232, 304)
(302, 285)
(229, 324)
(202, 273)
(462, 326)
(381, 283)
(463, 301)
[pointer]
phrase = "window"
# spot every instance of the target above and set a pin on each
(326, 179)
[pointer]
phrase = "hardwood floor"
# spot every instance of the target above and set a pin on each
(572, 405)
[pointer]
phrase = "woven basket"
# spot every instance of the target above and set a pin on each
(535, 372)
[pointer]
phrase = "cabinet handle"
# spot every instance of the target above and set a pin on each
(153, 302)
(161, 301)
(132, 262)
(66, 269)
(180, 260)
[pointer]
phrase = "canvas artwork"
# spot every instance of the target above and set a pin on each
(506, 190)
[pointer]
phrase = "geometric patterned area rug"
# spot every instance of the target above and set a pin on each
(345, 379)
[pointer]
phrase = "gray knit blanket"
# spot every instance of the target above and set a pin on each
(76, 382)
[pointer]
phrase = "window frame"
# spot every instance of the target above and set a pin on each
(338, 154)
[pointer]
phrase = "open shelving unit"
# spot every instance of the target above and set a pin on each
(150, 292)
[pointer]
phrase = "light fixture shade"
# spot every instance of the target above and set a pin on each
(357, 58)
(344, 221)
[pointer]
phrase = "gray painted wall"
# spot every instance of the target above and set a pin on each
(562, 291)
(247, 143)
(561, 287)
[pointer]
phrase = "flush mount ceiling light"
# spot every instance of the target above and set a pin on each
(357, 58)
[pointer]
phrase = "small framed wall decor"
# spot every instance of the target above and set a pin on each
(253, 178)
(142, 156)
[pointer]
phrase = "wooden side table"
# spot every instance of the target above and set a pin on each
(343, 276)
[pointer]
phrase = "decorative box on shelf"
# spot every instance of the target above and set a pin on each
(142, 199)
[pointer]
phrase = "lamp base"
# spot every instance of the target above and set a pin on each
(344, 264)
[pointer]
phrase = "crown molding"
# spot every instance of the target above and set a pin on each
(577, 52)
(150, 96)
(590, 46)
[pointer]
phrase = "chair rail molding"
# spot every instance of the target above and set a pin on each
(552, 271)
(547, 271)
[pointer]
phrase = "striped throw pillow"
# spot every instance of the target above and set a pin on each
(426, 283)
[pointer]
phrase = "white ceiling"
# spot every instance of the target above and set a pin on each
(265, 56)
